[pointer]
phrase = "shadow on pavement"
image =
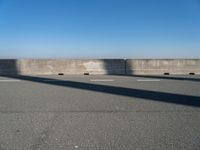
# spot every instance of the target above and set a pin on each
(122, 91)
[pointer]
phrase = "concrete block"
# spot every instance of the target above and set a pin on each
(66, 66)
(161, 66)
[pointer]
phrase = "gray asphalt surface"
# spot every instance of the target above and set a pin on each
(100, 112)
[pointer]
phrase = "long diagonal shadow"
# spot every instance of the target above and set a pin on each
(129, 92)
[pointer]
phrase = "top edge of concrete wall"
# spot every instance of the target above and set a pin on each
(100, 59)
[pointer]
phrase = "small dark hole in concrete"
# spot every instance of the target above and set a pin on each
(191, 73)
(166, 73)
(86, 73)
(60, 74)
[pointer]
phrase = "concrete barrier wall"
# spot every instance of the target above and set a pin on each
(92, 66)
(8, 66)
(66, 66)
(161, 66)
(100, 66)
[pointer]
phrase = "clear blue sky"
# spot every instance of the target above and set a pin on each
(99, 28)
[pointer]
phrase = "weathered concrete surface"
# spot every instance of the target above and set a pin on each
(161, 66)
(100, 66)
(66, 66)
(8, 66)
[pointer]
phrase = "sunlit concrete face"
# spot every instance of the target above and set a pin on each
(65, 66)
(161, 66)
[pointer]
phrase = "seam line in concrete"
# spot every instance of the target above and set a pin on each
(112, 111)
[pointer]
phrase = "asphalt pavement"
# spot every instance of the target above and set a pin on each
(100, 112)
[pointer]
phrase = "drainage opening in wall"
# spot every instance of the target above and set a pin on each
(191, 73)
(166, 73)
(86, 73)
(60, 74)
